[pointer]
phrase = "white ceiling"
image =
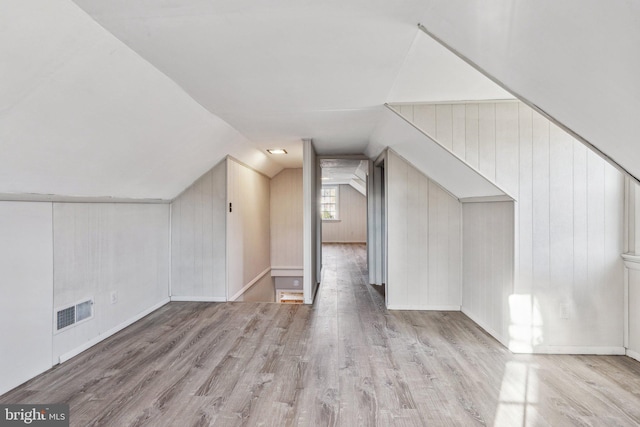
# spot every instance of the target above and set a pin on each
(83, 115)
(285, 70)
(137, 99)
(431, 73)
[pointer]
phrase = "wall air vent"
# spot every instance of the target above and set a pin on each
(72, 315)
(66, 317)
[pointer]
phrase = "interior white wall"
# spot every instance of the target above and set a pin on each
(286, 220)
(569, 219)
(100, 248)
(488, 265)
(26, 294)
(351, 227)
(248, 228)
(424, 254)
(198, 239)
(633, 308)
(632, 271)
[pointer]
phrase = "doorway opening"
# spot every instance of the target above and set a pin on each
(344, 208)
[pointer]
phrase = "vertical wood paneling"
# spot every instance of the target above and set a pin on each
(569, 222)
(425, 118)
(444, 125)
(219, 229)
(198, 230)
(26, 268)
(416, 236)
(459, 130)
(560, 224)
(407, 111)
(422, 233)
(634, 313)
(453, 288)
(525, 202)
(487, 140)
(507, 146)
(248, 226)
(286, 219)
(101, 248)
(424, 253)
(472, 134)
(488, 264)
(438, 243)
(433, 242)
(352, 224)
(540, 203)
(397, 230)
(613, 296)
(580, 215)
(595, 221)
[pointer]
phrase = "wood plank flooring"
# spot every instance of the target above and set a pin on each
(345, 361)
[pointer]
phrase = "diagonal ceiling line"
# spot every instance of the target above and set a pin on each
(529, 103)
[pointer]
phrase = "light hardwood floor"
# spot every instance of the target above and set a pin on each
(344, 361)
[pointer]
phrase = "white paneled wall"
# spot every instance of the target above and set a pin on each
(286, 219)
(424, 242)
(351, 226)
(632, 272)
(105, 248)
(198, 239)
(248, 228)
(569, 220)
(633, 332)
(26, 293)
(488, 254)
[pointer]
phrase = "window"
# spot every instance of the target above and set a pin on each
(329, 203)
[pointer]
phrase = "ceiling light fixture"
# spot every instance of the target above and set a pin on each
(277, 151)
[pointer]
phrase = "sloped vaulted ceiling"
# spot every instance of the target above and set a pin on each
(81, 114)
(137, 98)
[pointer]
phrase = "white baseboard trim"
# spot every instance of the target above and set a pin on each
(579, 349)
(76, 351)
(415, 307)
(484, 326)
(250, 284)
(633, 354)
(197, 299)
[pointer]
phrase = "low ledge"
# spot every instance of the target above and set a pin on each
(287, 271)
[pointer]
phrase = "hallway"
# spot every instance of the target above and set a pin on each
(344, 361)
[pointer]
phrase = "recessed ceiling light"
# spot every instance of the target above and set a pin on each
(277, 151)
